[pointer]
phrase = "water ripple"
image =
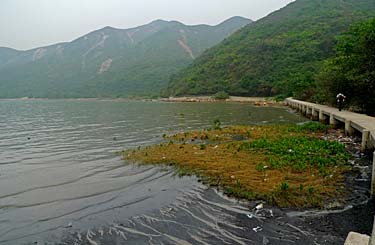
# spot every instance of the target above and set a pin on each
(60, 174)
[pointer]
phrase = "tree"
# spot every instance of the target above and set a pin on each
(222, 95)
(352, 70)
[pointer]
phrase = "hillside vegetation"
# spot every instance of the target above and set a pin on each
(109, 62)
(277, 55)
(352, 69)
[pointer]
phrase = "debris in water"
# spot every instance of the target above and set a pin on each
(70, 224)
(265, 241)
(257, 229)
(259, 206)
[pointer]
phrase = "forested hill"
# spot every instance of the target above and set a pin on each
(279, 54)
(109, 62)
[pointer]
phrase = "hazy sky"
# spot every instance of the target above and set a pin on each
(26, 24)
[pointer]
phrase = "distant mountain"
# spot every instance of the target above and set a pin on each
(109, 62)
(7, 54)
(279, 54)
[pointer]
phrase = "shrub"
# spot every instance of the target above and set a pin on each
(222, 95)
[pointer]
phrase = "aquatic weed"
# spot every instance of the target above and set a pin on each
(308, 127)
(216, 124)
(300, 152)
(284, 186)
(282, 164)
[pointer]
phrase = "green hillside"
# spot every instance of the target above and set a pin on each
(279, 54)
(109, 62)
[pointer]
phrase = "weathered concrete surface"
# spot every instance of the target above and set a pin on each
(357, 239)
(352, 121)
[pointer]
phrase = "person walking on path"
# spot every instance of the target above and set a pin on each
(340, 100)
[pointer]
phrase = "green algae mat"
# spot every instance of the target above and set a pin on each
(285, 165)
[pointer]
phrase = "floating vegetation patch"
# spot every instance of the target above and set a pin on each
(286, 165)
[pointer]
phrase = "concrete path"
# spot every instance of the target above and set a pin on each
(353, 121)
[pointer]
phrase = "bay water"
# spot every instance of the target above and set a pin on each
(62, 180)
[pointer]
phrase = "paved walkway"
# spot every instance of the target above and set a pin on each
(358, 121)
(353, 121)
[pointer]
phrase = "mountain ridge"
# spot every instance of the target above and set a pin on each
(128, 29)
(109, 62)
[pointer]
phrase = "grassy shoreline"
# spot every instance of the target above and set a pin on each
(285, 165)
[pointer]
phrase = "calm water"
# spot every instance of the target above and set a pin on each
(61, 181)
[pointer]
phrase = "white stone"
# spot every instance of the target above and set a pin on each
(357, 239)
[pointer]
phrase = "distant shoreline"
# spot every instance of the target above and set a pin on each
(211, 99)
(258, 101)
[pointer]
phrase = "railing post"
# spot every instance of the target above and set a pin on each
(365, 139)
(332, 120)
(314, 114)
(348, 128)
(308, 111)
(322, 117)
